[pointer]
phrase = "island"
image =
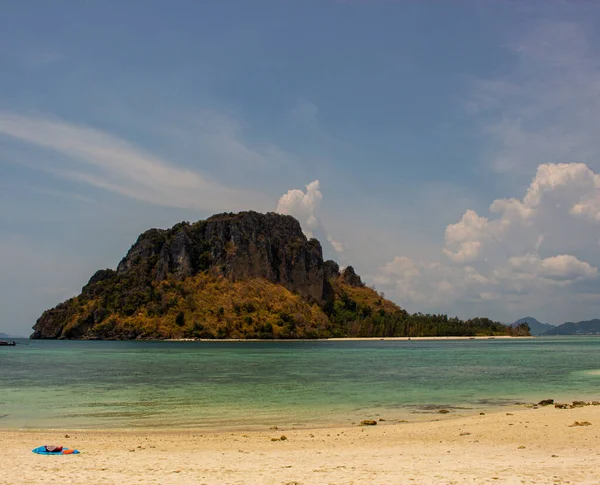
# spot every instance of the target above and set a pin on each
(240, 275)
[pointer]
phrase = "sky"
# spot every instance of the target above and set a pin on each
(447, 150)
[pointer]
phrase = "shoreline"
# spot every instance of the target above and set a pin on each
(407, 414)
(347, 339)
(384, 417)
(541, 445)
(418, 416)
(330, 339)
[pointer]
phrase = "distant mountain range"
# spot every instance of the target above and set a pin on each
(588, 327)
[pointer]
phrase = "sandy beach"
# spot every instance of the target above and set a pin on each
(510, 446)
(348, 339)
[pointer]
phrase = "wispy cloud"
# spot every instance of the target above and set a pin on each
(111, 163)
(219, 135)
(547, 107)
(60, 194)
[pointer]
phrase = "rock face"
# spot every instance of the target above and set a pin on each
(351, 278)
(234, 246)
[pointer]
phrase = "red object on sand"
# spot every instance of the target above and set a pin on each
(53, 449)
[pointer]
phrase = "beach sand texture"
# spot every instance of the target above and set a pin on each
(510, 447)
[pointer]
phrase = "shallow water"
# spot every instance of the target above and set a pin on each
(94, 384)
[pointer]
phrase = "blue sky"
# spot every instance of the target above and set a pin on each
(454, 143)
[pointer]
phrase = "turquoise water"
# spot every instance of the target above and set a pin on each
(94, 384)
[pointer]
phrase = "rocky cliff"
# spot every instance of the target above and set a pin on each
(245, 275)
(234, 246)
(225, 249)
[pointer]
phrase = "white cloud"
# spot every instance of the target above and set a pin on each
(566, 267)
(463, 238)
(303, 206)
(557, 193)
(403, 275)
(110, 163)
(498, 258)
(563, 268)
(338, 246)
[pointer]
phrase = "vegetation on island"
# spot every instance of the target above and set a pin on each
(245, 276)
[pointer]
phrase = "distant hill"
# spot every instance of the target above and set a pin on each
(5, 335)
(535, 327)
(588, 327)
(245, 275)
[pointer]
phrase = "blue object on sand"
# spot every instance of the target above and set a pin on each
(41, 450)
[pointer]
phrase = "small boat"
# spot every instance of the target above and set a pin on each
(7, 343)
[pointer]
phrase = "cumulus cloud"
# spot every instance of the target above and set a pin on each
(529, 250)
(563, 268)
(560, 195)
(463, 239)
(304, 206)
(97, 158)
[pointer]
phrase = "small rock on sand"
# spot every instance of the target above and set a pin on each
(546, 402)
(368, 422)
(580, 423)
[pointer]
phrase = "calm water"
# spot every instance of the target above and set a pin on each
(62, 384)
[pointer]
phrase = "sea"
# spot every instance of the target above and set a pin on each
(46, 384)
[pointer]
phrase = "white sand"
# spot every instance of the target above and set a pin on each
(499, 337)
(528, 446)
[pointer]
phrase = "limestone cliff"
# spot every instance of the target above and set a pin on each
(245, 275)
(231, 247)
